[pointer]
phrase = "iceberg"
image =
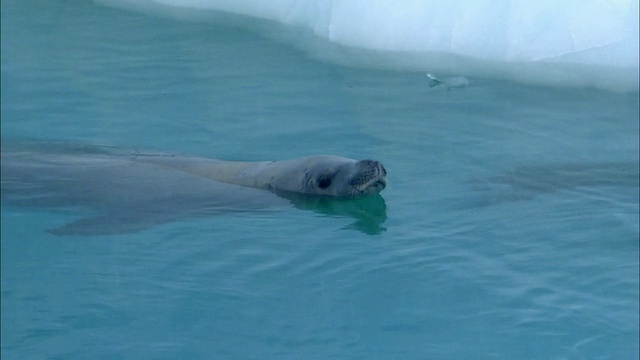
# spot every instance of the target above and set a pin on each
(586, 43)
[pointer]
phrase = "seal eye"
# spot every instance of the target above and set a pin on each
(324, 182)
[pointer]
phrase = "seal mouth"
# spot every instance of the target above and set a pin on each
(378, 184)
(373, 186)
(371, 179)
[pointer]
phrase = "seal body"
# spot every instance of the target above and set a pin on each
(118, 191)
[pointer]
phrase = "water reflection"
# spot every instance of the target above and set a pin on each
(369, 213)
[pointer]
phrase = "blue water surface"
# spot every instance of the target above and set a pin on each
(511, 227)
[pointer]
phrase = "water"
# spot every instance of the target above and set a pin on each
(511, 224)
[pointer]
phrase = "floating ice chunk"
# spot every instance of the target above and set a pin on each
(448, 83)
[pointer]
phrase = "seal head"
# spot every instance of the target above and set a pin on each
(328, 175)
(315, 175)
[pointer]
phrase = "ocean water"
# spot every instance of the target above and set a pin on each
(510, 225)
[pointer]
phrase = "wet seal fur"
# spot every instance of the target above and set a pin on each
(315, 175)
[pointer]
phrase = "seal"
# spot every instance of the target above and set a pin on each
(117, 191)
(316, 175)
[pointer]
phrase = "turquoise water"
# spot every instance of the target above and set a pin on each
(511, 225)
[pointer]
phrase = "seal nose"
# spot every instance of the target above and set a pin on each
(373, 164)
(382, 170)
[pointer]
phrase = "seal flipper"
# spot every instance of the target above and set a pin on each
(110, 224)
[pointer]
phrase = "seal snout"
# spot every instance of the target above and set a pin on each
(373, 165)
(381, 184)
(371, 175)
